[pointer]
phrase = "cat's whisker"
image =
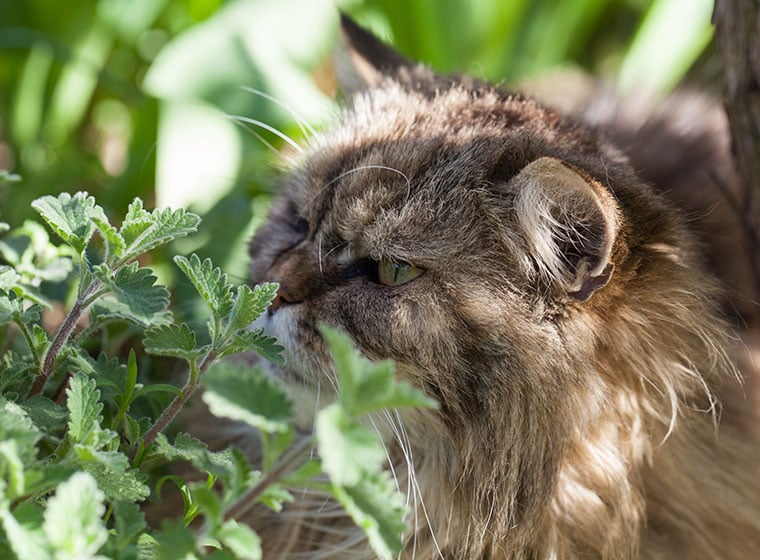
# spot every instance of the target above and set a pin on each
(258, 137)
(281, 135)
(303, 124)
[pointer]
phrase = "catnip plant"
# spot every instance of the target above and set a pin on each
(84, 423)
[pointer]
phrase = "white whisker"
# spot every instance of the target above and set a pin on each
(306, 128)
(281, 135)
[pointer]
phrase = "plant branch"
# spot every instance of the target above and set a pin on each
(61, 337)
(283, 466)
(171, 411)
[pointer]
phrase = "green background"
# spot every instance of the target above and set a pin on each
(146, 98)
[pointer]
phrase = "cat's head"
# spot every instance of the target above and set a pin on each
(502, 256)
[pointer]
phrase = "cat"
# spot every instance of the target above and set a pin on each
(548, 290)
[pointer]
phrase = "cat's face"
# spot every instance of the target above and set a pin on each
(473, 237)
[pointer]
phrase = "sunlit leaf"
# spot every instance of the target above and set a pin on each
(171, 340)
(376, 506)
(240, 539)
(84, 409)
(69, 216)
(245, 394)
(135, 288)
(73, 518)
(210, 282)
(249, 304)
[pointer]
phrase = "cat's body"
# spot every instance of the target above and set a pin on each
(558, 307)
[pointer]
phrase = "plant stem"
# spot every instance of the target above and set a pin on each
(63, 334)
(171, 411)
(283, 466)
(30, 343)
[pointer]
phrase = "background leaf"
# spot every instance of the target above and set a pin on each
(245, 394)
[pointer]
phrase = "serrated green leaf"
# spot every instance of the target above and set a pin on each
(367, 386)
(129, 522)
(245, 394)
(143, 231)
(109, 308)
(171, 340)
(125, 486)
(210, 283)
(347, 449)
(114, 242)
(222, 464)
(46, 414)
(240, 539)
(253, 341)
(136, 289)
(376, 507)
(69, 217)
(249, 304)
(16, 425)
(12, 469)
(207, 501)
(112, 460)
(26, 539)
(175, 542)
(12, 310)
(84, 409)
(73, 518)
(8, 277)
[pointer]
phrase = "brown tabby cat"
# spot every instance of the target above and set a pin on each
(520, 270)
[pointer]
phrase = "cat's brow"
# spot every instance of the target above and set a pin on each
(331, 184)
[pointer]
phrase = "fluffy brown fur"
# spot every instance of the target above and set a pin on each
(566, 321)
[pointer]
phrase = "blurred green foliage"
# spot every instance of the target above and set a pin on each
(128, 98)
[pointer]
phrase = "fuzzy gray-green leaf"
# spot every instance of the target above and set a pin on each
(143, 231)
(209, 281)
(171, 340)
(135, 288)
(69, 216)
(84, 409)
(249, 304)
(244, 393)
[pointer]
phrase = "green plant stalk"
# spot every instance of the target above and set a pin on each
(283, 467)
(30, 343)
(62, 336)
(171, 411)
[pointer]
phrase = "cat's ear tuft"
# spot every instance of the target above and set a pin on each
(570, 222)
(365, 61)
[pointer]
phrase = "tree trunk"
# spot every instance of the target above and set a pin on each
(737, 35)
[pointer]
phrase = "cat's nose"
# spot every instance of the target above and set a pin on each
(282, 296)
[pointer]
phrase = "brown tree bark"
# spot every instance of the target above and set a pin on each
(737, 35)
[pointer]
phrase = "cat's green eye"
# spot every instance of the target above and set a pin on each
(393, 273)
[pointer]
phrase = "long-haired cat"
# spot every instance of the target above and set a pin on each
(539, 284)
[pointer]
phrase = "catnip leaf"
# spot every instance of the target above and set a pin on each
(44, 413)
(244, 393)
(240, 539)
(176, 542)
(143, 231)
(348, 450)
(16, 425)
(113, 240)
(253, 341)
(136, 289)
(249, 304)
(209, 282)
(375, 505)
(112, 460)
(129, 522)
(27, 540)
(367, 386)
(12, 469)
(171, 340)
(84, 409)
(8, 277)
(69, 217)
(109, 308)
(126, 486)
(73, 518)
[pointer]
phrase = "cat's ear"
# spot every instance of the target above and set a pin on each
(571, 223)
(365, 61)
